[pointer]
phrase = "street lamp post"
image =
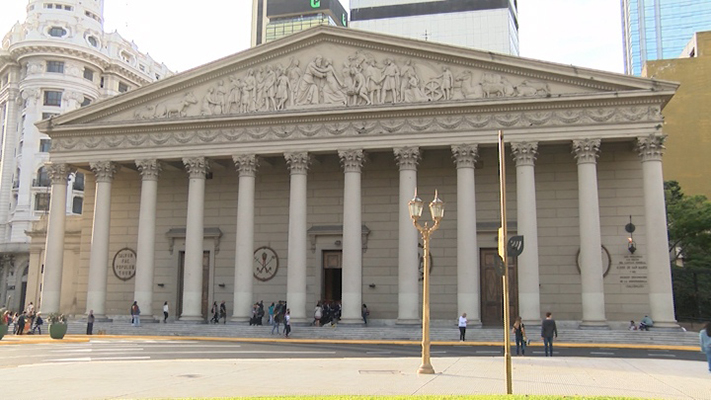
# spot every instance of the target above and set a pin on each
(415, 207)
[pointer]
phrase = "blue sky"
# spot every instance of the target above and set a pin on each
(585, 33)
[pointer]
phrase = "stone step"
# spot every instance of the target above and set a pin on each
(408, 333)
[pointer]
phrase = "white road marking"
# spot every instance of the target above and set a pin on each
(438, 352)
(378, 352)
(602, 353)
(487, 352)
(660, 355)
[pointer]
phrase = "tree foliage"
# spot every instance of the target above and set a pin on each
(689, 228)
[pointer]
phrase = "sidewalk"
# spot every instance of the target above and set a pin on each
(564, 376)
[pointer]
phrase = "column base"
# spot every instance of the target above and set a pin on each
(98, 318)
(408, 322)
(600, 325)
(425, 369)
(665, 326)
(474, 324)
(236, 319)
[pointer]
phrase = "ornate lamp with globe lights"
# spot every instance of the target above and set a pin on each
(415, 207)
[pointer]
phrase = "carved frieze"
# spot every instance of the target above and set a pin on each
(400, 125)
(358, 79)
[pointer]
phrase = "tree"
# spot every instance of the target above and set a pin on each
(689, 229)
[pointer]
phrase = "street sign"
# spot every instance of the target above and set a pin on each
(515, 246)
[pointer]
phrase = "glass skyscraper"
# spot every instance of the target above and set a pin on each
(658, 29)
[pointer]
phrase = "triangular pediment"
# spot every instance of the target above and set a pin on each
(335, 69)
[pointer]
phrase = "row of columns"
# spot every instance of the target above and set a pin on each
(468, 289)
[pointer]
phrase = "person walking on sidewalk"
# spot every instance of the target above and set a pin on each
(287, 323)
(463, 327)
(548, 331)
(705, 339)
(223, 312)
(519, 331)
(135, 314)
(165, 312)
(38, 324)
(364, 312)
(90, 323)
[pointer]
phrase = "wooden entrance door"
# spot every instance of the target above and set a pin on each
(205, 284)
(492, 303)
(332, 275)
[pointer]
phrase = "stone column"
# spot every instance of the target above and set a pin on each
(145, 245)
(352, 278)
(246, 165)
(591, 273)
(661, 297)
(99, 257)
(529, 297)
(298, 164)
(468, 296)
(54, 249)
(408, 258)
(196, 167)
(7, 163)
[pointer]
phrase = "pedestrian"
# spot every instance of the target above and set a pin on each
(364, 312)
(165, 312)
(287, 323)
(548, 331)
(318, 313)
(30, 313)
(462, 327)
(20, 324)
(632, 326)
(90, 323)
(276, 321)
(38, 324)
(271, 314)
(215, 311)
(223, 312)
(135, 314)
(705, 339)
(645, 323)
(519, 331)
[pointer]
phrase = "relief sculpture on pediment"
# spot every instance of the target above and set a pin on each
(360, 79)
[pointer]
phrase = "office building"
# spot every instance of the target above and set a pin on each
(284, 17)
(660, 29)
(283, 172)
(490, 25)
(57, 60)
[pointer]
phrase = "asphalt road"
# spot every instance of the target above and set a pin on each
(140, 349)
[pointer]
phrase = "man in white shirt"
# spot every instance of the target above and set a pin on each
(462, 327)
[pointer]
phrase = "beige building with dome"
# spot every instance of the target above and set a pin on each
(283, 173)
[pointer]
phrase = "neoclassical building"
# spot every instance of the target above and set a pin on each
(283, 173)
(57, 60)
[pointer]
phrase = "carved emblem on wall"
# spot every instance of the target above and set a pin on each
(124, 264)
(265, 263)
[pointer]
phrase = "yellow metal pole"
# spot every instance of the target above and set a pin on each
(503, 234)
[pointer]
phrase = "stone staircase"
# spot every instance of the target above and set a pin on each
(389, 333)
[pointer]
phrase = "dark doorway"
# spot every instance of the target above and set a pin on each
(492, 302)
(332, 275)
(205, 283)
(23, 288)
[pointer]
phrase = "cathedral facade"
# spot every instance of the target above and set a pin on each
(284, 172)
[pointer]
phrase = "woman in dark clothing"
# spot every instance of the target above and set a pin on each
(519, 330)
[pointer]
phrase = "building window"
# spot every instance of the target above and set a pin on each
(52, 98)
(142, 67)
(92, 41)
(45, 145)
(88, 74)
(55, 66)
(122, 87)
(42, 179)
(86, 102)
(101, 82)
(57, 31)
(77, 203)
(157, 76)
(68, 8)
(126, 57)
(46, 115)
(47, 5)
(42, 202)
(78, 182)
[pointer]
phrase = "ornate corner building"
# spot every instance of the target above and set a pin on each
(57, 60)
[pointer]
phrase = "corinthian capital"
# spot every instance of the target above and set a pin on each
(150, 169)
(524, 153)
(104, 170)
(298, 163)
(586, 150)
(407, 157)
(58, 173)
(465, 155)
(196, 167)
(352, 160)
(246, 164)
(651, 148)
